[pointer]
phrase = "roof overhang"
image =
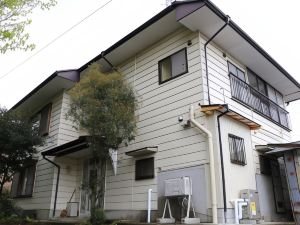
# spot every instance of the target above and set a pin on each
(54, 84)
(278, 149)
(144, 36)
(142, 151)
(208, 19)
(209, 109)
(73, 149)
(203, 16)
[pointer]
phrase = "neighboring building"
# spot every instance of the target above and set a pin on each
(164, 60)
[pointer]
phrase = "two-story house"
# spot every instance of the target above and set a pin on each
(191, 67)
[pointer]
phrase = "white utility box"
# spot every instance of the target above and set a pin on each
(72, 209)
(178, 187)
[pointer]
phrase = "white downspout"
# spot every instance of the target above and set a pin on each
(149, 206)
(211, 165)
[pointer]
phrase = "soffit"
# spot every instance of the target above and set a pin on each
(139, 42)
(230, 40)
(44, 93)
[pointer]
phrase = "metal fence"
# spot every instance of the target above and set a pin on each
(260, 103)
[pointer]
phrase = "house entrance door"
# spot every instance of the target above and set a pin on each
(85, 202)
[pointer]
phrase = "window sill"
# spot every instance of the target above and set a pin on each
(144, 178)
(261, 114)
(172, 78)
(22, 196)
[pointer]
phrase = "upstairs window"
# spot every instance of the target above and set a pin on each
(144, 168)
(257, 94)
(236, 71)
(173, 66)
(41, 121)
(257, 83)
(237, 150)
(263, 87)
(23, 181)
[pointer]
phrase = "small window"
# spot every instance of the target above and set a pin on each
(237, 150)
(144, 169)
(236, 71)
(173, 66)
(23, 182)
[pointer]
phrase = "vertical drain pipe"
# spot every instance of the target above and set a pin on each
(149, 206)
(211, 165)
(205, 55)
(222, 163)
(57, 181)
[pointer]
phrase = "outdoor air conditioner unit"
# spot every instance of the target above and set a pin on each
(72, 209)
(178, 187)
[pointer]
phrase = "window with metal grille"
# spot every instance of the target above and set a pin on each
(237, 150)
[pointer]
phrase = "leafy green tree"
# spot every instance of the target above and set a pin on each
(14, 17)
(18, 141)
(104, 105)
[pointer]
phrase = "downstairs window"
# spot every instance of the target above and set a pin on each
(237, 150)
(23, 182)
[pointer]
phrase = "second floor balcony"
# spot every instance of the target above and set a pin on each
(258, 102)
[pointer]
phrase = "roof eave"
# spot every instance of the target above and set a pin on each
(242, 33)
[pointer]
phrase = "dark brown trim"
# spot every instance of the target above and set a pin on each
(68, 148)
(159, 66)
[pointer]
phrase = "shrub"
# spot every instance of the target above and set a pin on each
(85, 223)
(8, 208)
(98, 217)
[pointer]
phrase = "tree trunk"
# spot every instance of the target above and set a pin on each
(101, 187)
(93, 188)
(1, 187)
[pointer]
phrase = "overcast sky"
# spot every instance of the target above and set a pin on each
(273, 24)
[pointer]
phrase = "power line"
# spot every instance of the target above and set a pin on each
(55, 39)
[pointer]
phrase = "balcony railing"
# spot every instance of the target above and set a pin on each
(246, 94)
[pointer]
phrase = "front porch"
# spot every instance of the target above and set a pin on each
(70, 193)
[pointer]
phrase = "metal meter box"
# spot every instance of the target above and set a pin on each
(252, 210)
(72, 209)
(178, 187)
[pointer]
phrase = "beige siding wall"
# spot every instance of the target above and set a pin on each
(43, 187)
(70, 168)
(220, 93)
(61, 131)
(67, 130)
(69, 181)
(159, 108)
